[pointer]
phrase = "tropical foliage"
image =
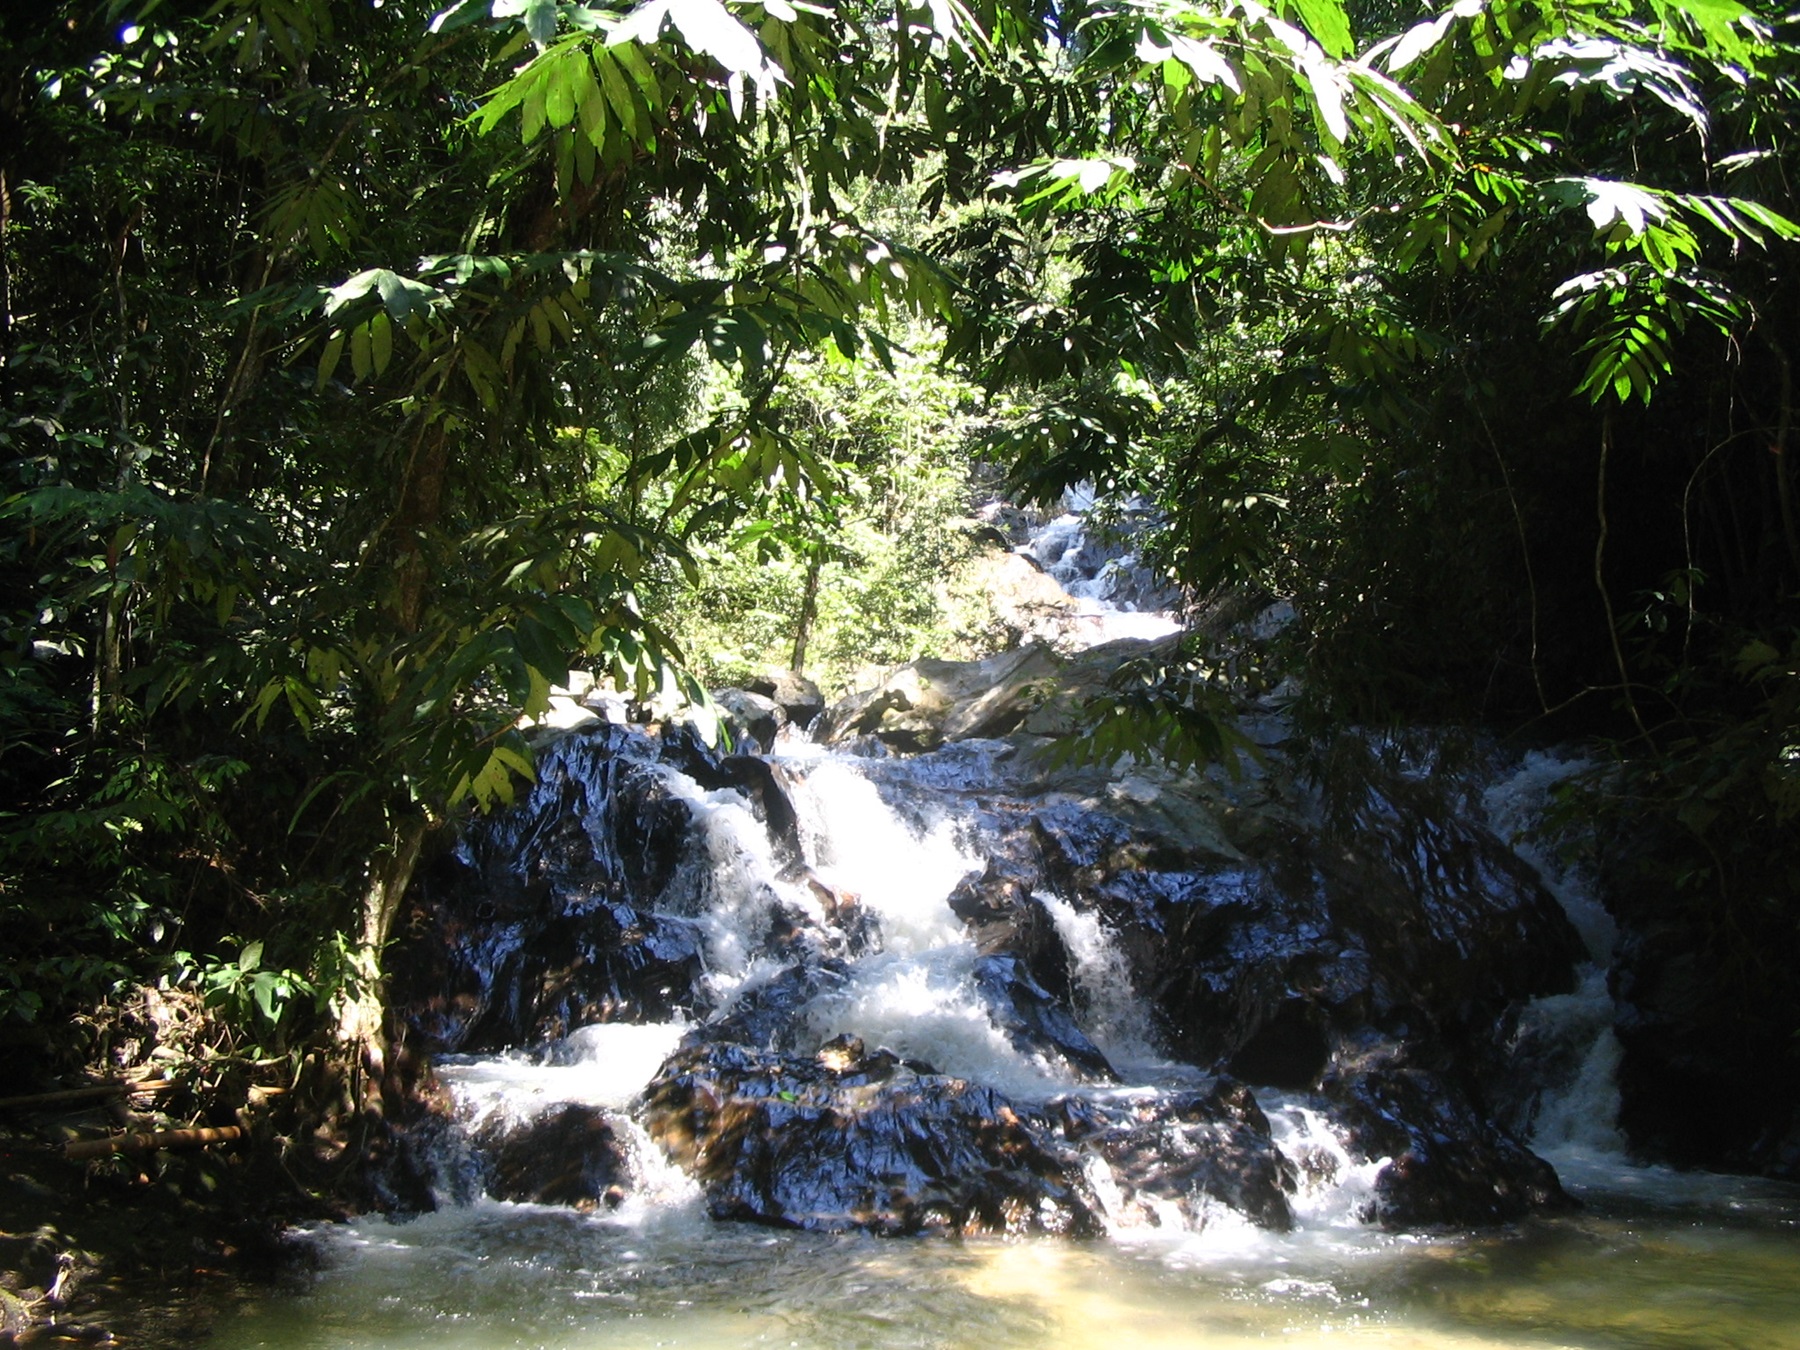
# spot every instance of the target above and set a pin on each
(366, 365)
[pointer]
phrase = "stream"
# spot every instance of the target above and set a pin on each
(827, 943)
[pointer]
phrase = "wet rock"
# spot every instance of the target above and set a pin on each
(753, 719)
(571, 1155)
(1005, 918)
(792, 1141)
(1192, 1151)
(1708, 1075)
(1037, 1024)
(1289, 1049)
(1401, 914)
(1452, 1166)
(535, 923)
(771, 1015)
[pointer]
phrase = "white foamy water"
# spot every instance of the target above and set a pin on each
(857, 843)
(924, 1007)
(733, 885)
(1117, 1019)
(606, 1065)
(1335, 1187)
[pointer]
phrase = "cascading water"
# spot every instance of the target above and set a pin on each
(843, 994)
(1574, 1118)
(1116, 594)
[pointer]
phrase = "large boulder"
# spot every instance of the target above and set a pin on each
(1450, 1164)
(849, 1138)
(537, 922)
(798, 697)
(927, 703)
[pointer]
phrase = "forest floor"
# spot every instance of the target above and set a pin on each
(143, 1249)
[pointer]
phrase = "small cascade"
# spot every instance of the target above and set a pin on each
(960, 989)
(1565, 1041)
(921, 1010)
(527, 1124)
(1118, 1018)
(1334, 1186)
(899, 870)
(1117, 595)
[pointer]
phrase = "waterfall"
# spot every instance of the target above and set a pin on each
(1577, 1110)
(900, 870)
(1119, 1020)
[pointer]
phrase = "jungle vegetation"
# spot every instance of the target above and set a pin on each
(366, 364)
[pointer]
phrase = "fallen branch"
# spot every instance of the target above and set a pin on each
(152, 1141)
(114, 1089)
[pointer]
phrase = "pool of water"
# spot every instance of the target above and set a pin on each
(1655, 1260)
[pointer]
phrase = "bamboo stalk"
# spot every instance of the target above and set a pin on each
(151, 1141)
(85, 1093)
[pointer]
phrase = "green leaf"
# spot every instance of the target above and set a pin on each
(540, 20)
(381, 341)
(1328, 24)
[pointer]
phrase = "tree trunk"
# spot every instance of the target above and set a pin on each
(809, 612)
(360, 1007)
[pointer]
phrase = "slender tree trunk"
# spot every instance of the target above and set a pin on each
(1784, 475)
(809, 613)
(360, 1008)
(421, 507)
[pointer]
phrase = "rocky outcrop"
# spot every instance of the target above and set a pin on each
(797, 697)
(1349, 935)
(854, 1139)
(921, 706)
(537, 923)
(1451, 1164)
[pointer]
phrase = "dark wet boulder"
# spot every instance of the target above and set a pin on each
(1451, 1165)
(1037, 1024)
(1453, 921)
(1708, 1075)
(1193, 1150)
(853, 1140)
(1004, 917)
(771, 1015)
(536, 922)
(570, 1155)
(508, 976)
(1393, 910)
